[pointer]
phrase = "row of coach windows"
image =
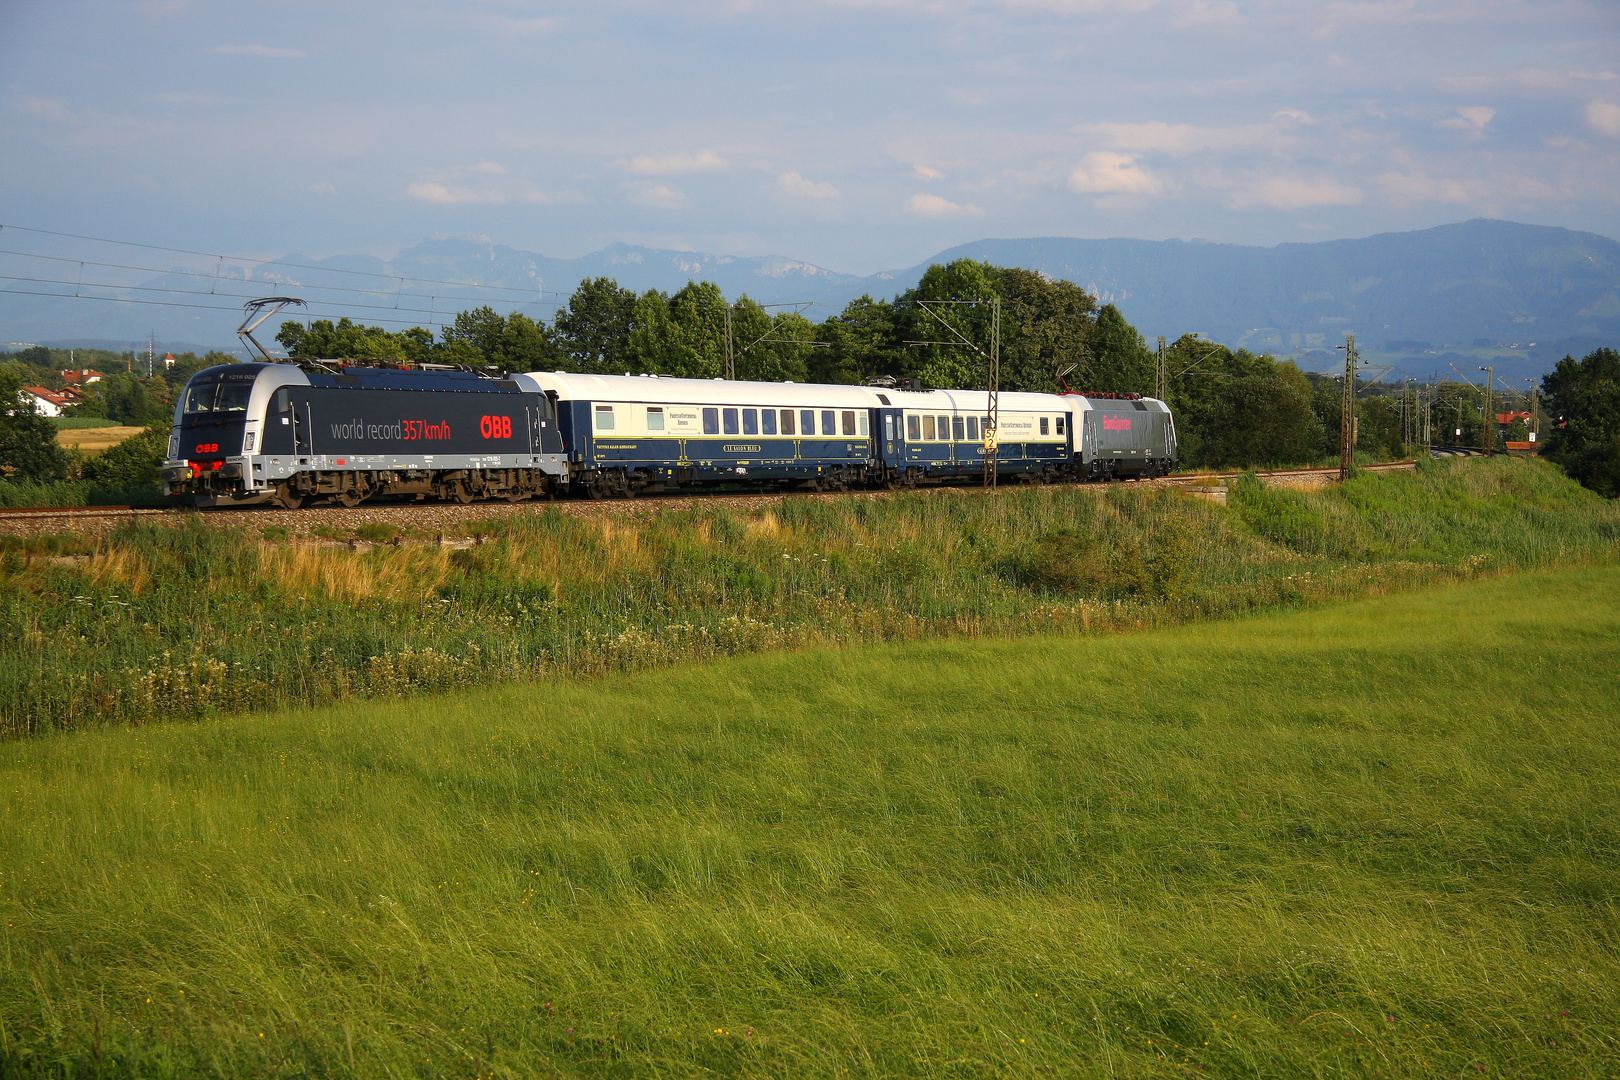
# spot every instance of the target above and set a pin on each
(739, 421)
(847, 422)
(959, 428)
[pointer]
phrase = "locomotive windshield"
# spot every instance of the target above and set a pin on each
(218, 397)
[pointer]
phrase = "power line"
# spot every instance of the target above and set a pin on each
(198, 292)
(263, 262)
(174, 304)
(214, 276)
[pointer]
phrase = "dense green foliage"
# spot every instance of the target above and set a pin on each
(28, 447)
(1584, 396)
(1373, 841)
(164, 621)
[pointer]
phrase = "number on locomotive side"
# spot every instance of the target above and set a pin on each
(495, 427)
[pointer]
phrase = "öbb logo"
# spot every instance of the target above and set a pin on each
(495, 427)
(207, 448)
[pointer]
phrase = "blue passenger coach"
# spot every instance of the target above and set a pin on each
(626, 433)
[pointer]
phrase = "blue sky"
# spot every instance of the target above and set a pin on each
(856, 134)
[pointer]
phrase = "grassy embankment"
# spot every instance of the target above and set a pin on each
(1376, 839)
(159, 622)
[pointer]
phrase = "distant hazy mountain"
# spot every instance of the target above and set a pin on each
(1467, 291)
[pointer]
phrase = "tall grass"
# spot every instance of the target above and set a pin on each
(1378, 839)
(162, 622)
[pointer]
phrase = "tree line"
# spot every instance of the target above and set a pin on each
(1234, 408)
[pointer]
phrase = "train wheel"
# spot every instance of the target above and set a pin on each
(462, 492)
(349, 498)
(287, 498)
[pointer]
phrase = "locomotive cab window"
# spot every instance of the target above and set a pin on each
(787, 421)
(767, 422)
(655, 419)
(849, 421)
(750, 422)
(729, 418)
(604, 418)
(913, 431)
(711, 421)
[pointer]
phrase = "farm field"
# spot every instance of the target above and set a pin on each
(164, 619)
(95, 439)
(1374, 838)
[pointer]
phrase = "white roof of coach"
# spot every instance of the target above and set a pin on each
(647, 388)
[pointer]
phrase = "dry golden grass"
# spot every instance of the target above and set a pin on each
(95, 440)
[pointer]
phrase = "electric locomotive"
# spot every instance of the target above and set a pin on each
(275, 432)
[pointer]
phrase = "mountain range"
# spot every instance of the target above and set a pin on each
(1417, 300)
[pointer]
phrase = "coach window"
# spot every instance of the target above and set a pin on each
(655, 419)
(1060, 424)
(767, 421)
(728, 418)
(1045, 424)
(829, 422)
(958, 432)
(973, 429)
(787, 421)
(984, 422)
(711, 421)
(604, 418)
(807, 422)
(849, 421)
(750, 422)
(913, 432)
(945, 428)
(861, 416)
(928, 428)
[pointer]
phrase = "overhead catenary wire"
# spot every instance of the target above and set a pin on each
(263, 262)
(175, 304)
(198, 292)
(214, 277)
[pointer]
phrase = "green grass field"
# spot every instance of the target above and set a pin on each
(1380, 838)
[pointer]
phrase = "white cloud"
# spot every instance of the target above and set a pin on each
(797, 186)
(447, 196)
(1155, 136)
(1106, 173)
(1470, 118)
(675, 164)
(323, 189)
(1604, 116)
(257, 50)
(55, 110)
(923, 172)
(489, 167)
(1404, 189)
(1292, 193)
(661, 196)
(934, 206)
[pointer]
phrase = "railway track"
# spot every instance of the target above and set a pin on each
(455, 519)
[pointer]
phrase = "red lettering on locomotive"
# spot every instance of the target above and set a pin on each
(495, 427)
(207, 448)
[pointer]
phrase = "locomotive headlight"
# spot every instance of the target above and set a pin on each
(174, 446)
(247, 443)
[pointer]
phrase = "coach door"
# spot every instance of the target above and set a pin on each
(892, 438)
